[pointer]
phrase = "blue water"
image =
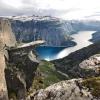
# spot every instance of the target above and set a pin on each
(47, 52)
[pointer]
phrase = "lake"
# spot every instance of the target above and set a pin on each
(82, 39)
(48, 53)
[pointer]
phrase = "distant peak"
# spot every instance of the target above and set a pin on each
(31, 17)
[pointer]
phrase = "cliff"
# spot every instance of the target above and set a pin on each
(17, 64)
(3, 86)
(6, 39)
(54, 31)
(24, 77)
(6, 34)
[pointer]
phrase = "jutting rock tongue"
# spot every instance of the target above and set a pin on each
(7, 38)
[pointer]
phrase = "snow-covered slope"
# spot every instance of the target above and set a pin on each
(29, 18)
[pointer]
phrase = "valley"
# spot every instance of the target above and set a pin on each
(66, 67)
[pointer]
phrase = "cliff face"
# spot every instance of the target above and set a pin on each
(6, 35)
(6, 39)
(19, 74)
(54, 32)
(17, 64)
(3, 86)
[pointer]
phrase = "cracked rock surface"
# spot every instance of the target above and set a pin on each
(64, 90)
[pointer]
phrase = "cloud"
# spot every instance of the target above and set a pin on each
(67, 9)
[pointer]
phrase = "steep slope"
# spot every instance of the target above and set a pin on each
(55, 31)
(24, 74)
(3, 86)
(6, 34)
(71, 64)
(50, 31)
(17, 64)
(6, 39)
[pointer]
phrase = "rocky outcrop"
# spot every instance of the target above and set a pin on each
(6, 39)
(20, 73)
(64, 90)
(70, 65)
(3, 86)
(18, 67)
(21, 69)
(17, 64)
(6, 35)
(92, 63)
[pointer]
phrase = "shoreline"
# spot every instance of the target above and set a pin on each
(82, 39)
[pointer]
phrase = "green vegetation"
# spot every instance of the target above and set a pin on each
(46, 75)
(93, 84)
(36, 85)
(50, 74)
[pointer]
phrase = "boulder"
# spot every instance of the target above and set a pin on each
(64, 90)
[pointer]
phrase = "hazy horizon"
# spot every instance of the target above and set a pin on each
(66, 9)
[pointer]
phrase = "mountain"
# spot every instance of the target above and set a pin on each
(55, 31)
(47, 28)
(24, 77)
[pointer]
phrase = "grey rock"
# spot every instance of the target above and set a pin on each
(92, 63)
(72, 64)
(17, 63)
(64, 90)
(6, 39)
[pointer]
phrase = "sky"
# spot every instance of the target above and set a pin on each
(66, 9)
